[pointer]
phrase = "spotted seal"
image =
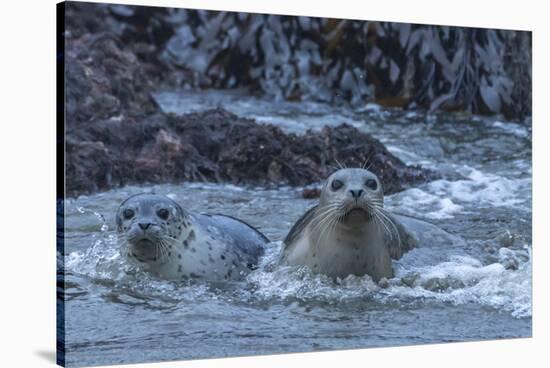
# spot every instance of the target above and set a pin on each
(349, 231)
(172, 243)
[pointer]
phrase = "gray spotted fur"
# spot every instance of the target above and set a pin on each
(212, 247)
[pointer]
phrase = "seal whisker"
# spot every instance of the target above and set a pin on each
(379, 222)
(324, 211)
(163, 251)
(365, 163)
(328, 217)
(318, 219)
(388, 219)
(321, 222)
(156, 251)
(383, 220)
(368, 162)
(339, 164)
(166, 243)
(332, 226)
(321, 236)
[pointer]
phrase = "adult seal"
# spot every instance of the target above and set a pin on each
(173, 243)
(350, 233)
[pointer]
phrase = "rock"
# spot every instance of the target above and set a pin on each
(505, 239)
(490, 248)
(437, 284)
(104, 81)
(310, 193)
(523, 255)
(168, 142)
(510, 259)
(384, 283)
(410, 280)
(89, 166)
(510, 264)
(218, 146)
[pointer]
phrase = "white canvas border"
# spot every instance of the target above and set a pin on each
(28, 172)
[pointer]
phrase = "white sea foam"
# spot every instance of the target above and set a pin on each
(408, 157)
(301, 123)
(370, 107)
(102, 260)
(430, 205)
(443, 199)
(468, 281)
(491, 285)
(512, 128)
(484, 188)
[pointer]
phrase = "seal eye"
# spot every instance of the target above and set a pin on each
(336, 184)
(128, 213)
(371, 184)
(163, 213)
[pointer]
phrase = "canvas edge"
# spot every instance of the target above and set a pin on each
(60, 182)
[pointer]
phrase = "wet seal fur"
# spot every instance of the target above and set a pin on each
(348, 232)
(172, 243)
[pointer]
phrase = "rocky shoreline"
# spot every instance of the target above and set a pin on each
(218, 146)
(116, 134)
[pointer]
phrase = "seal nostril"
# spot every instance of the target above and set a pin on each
(356, 193)
(144, 226)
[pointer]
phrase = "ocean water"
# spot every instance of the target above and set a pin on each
(481, 290)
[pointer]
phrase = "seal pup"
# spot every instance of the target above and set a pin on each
(172, 243)
(349, 232)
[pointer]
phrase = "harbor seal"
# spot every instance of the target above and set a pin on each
(161, 237)
(349, 232)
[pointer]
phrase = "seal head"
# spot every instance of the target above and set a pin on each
(150, 224)
(161, 237)
(349, 231)
(354, 195)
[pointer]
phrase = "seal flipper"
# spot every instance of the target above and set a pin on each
(426, 234)
(299, 226)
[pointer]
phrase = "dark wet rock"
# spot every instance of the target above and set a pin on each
(438, 284)
(309, 193)
(510, 264)
(410, 280)
(89, 166)
(104, 80)
(505, 239)
(490, 248)
(523, 255)
(435, 284)
(217, 146)
(508, 249)
(512, 259)
(384, 283)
